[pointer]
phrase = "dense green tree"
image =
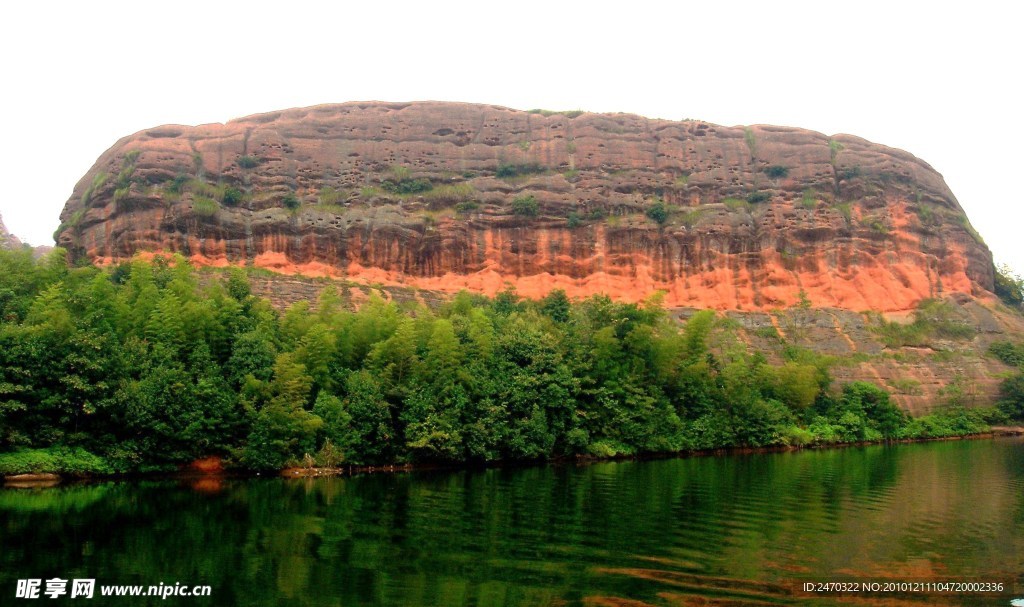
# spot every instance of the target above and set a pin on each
(395, 359)
(283, 431)
(1009, 286)
(556, 305)
(253, 354)
(370, 436)
(1011, 392)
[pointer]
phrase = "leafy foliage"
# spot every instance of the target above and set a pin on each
(73, 461)
(525, 205)
(406, 185)
(1008, 352)
(1009, 286)
(144, 366)
(205, 206)
(98, 181)
(248, 162)
(658, 212)
(1011, 393)
(510, 171)
(932, 319)
(232, 196)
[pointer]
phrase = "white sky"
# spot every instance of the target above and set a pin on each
(941, 82)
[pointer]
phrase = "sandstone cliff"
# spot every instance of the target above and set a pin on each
(446, 196)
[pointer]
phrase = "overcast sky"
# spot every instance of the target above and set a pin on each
(943, 83)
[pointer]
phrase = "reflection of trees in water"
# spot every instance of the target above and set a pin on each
(517, 536)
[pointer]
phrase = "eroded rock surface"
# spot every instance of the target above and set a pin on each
(446, 196)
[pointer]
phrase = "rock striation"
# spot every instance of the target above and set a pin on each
(450, 196)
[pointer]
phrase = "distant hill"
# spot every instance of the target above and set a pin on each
(10, 241)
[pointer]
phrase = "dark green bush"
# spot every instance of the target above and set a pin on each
(776, 171)
(1008, 352)
(850, 173)
(1011, 393)
(232, 196)
(658, 212)
(291, 202)
(74, 461)
(177, 185)
(1009, 287)
(526, 206)
(507, 171)
(758, 197)
(952, 421)
(248, 162)
(406, 186)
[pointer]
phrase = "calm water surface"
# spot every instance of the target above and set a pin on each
(738, 530)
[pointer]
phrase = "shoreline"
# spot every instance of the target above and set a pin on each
(315, 472)
(210, 468)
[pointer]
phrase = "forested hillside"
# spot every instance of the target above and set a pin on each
(143, 366)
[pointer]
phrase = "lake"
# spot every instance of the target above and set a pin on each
(729, 530)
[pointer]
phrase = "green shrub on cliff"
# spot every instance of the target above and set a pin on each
(450, 193)
(1009, 286)
(512, 171)
(205, 206)
(1008, 352)
(1011, 393)
(933, 319)
(97, 182)
(657, 212)
(232, 196)
(525, 205)
(248, 162)
(406, 186)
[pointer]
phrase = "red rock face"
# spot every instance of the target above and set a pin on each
(426, 195)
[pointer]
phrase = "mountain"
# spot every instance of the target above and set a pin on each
(447, 196)
(10, 241)
(7, 240)
(836, 245)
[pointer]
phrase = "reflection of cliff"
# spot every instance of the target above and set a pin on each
(445, 196)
